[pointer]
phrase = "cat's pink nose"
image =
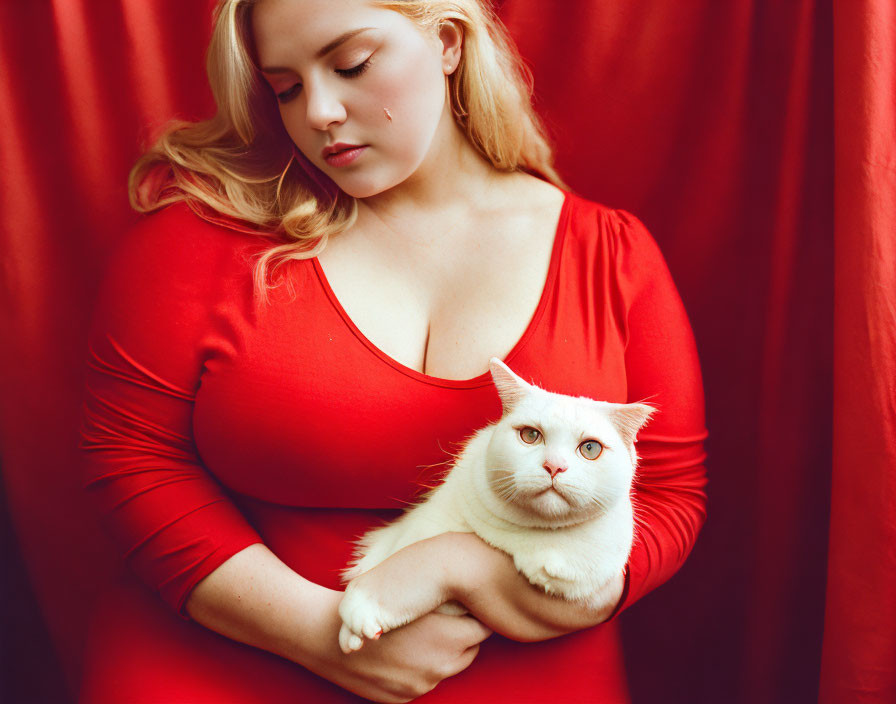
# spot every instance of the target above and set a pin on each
(553, 468)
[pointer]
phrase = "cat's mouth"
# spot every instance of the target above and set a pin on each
(555, 488)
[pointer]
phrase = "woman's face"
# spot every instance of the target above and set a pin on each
(346, 71)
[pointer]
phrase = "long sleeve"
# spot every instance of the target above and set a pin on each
(152, 330)
(662, 368)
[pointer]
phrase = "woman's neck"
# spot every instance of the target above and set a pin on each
(453, 176)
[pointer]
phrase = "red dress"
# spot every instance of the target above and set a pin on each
(211, 422)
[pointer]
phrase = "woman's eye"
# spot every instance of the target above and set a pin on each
(591, 449)
(354, 70)
(529, 435)
(286, 95)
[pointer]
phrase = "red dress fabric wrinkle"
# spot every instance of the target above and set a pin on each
(211, 422)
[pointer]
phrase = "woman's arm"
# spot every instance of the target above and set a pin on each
(487, 582)
(149, 340)
(662, 366)
(256, 599)
(460, 566)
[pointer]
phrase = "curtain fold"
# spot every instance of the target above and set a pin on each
(859, 657)
(755, 139)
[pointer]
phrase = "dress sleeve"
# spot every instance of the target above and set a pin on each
(662, 368)
(170, 518)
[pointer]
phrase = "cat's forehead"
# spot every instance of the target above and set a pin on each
(545, 407)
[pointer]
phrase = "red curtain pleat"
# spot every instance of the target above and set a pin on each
(82, 86)
(859, 659)
(755, 138)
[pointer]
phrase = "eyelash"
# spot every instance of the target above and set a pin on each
(352, 72)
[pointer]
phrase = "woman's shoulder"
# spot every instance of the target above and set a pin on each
(177, 237)
(616, 232)
(174, 254)
(592, 230)
(600, 215)
(185, 226)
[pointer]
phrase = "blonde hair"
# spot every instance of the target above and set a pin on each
(241, 164)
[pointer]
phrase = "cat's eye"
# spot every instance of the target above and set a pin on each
(529, 435)
(591, 449)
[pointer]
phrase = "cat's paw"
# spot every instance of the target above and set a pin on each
(550, 571)
(556, 567)
(348, 641)
(362, 617)
(552, 585)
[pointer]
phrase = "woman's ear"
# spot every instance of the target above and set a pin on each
(452, 37)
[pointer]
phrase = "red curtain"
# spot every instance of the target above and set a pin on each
(859, 656)
(755, 138)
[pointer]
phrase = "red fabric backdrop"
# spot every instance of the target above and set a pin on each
(755, 138)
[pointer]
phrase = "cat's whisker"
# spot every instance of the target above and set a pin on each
(508, 493)
(503, 479)
(502, 484)
(599, 502)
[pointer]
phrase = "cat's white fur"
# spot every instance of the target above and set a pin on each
(570, 534)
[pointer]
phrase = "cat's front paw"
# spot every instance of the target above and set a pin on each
(362, 617)
(557, 567)
(551, 571)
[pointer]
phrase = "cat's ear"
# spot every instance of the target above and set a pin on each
(629, 417)
(510, 387)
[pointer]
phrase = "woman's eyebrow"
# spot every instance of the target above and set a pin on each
(332, 46)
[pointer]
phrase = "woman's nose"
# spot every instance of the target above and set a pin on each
(324, 107)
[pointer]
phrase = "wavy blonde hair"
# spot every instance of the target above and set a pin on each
(241, 167)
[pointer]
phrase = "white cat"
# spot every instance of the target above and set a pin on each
(548, 483)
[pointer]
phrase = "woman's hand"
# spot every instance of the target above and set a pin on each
(401, 665)
(487, 582)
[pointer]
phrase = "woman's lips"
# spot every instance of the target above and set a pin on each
(345, 157)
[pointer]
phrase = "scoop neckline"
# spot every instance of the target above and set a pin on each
(484, 378)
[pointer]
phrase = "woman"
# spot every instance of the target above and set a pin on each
(282, 358)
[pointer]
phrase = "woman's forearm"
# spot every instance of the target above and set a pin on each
(256, 599)
(487, 582)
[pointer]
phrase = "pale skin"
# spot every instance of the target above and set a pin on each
(461, 566)
(441, 310)
(256, 599)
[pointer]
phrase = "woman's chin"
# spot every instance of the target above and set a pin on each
(361, 191)
(371, 182)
